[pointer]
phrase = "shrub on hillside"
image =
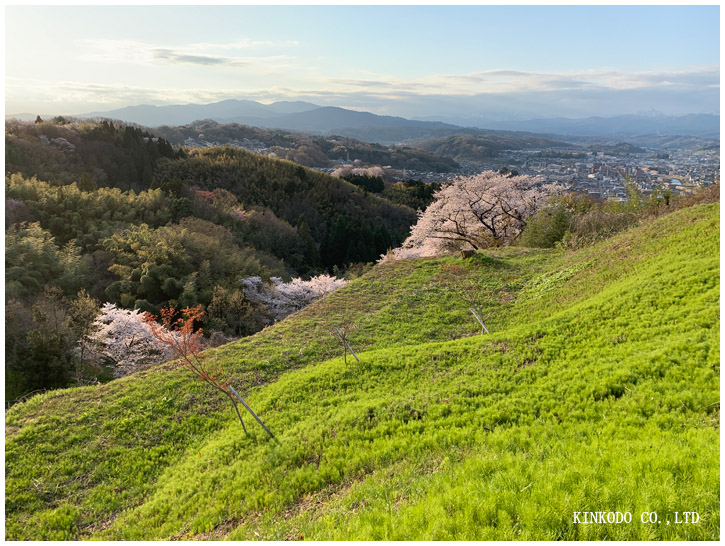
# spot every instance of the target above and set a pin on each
(575, 220)
(557, 217)
(548, 227)
(703, 194)
(596, 224)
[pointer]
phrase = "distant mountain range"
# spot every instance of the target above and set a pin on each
(311, 118)
(227, 111)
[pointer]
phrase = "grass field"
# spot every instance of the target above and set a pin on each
(597, 390)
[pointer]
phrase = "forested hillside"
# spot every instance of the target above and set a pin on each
(349, 224)
(597, 389)
(99, 154)
(97, 212)
(308, 150)
(479, 147)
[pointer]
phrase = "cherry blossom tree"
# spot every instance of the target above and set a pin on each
(427, 249)
(126, 339)
(484, 210)
(282, 299)
(375, 171)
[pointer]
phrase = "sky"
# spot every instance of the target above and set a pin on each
(505, 62)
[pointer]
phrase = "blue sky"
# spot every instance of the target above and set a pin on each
(415, 61)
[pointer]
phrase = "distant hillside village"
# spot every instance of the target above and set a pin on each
(598, 173)
(605, 174)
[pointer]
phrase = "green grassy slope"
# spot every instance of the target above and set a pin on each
(597, 390)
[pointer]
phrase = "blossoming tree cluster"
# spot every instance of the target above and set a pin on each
(282, 299)
(124, 337)
(480, 211)
(131, 341)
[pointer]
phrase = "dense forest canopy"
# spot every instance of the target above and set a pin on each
(337, 213)
(104, 212)
(114, 155)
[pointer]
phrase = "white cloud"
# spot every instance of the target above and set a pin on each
(200, 54)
